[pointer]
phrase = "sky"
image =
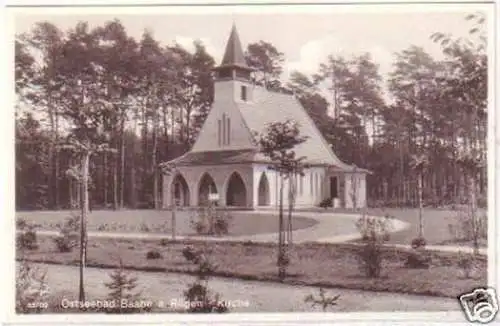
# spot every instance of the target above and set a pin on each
(306, 37)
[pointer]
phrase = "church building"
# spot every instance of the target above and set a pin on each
(225, 165)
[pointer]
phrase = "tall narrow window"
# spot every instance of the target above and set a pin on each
(219, 132)
(243, 93)
(228, 131)
(223, 129)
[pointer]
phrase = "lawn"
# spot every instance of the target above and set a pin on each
(436, 225)
(159, 221)
(326, 265)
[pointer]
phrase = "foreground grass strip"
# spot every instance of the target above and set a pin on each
(322, 265)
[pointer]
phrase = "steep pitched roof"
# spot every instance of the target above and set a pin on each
(268, 107)
(233, 56)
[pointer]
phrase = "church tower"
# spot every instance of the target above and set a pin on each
(233, 76)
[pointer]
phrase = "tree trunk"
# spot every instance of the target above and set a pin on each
(83, 221)
(281, 253)
(105, 178)
(291, 203)
(420, 207)
(56, 163)
(473, 210)
(122, 160)
(153, 159)
(115, 181)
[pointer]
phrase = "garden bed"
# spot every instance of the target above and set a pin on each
(326, 265)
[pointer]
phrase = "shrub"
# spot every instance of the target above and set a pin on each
(418, 259)
(466, 263)
(26, 238)
(469, 229)
(323, 300)
(164, 242)
(191, 254)
(69, 234)
(210, 221)
(200, 298)
(325, 203)
(153, 254)
(418, 243)
(31, 288)
(374, 233)
(222, 222)
(144, 228)
(122, 287)
(102, 227)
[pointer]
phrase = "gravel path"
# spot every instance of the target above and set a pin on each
(162, 288)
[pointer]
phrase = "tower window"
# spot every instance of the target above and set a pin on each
(243, 93)
(228, 131)
(219, 138)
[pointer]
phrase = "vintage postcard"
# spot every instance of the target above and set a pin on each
(251, 164)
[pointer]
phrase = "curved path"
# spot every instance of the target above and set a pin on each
(325, 230)
(163, 288)
(319, 232)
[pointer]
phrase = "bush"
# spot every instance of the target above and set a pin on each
(468, 230)
(374, 233)
(466, 263)
(200, 299)
(418, 259)
(69, 234)
(210, 221)
(26, 238)
(153, 254)
(145, 228)
(323, 300)
(325, 203)
(31, 288)
(164, 242)
(418, 243)
(122, 286)
(191, 254)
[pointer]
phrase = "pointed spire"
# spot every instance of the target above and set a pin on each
(233, 55)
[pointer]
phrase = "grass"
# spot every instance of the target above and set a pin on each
(159, 221)
(436, 221)
(325, 265)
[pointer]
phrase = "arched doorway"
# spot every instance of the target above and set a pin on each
(236, 193)
(263, 191)
(207, 186)
(180, 190)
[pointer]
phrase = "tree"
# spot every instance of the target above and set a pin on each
(85, 110)
(277, 142)
(119, 56)
(32, 163)
(268, 62)
(420, 164)
(47, 40)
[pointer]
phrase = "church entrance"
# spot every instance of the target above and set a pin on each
(263, 191)
(236, 194)
(180, 190)
(334, 190)
(207, 186)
